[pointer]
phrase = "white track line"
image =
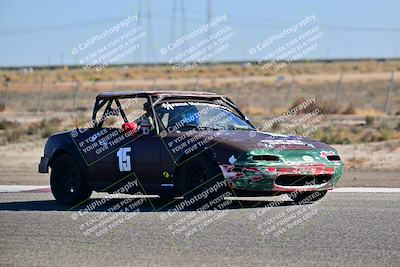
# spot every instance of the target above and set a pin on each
(24, 188)
(20, 188)
(366, 190)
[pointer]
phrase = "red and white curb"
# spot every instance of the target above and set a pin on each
(46, 189)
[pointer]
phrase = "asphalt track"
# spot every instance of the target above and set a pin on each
(344, 229)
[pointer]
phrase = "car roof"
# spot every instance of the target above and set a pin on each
(177, 94)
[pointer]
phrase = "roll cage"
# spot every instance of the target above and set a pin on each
(155, 98)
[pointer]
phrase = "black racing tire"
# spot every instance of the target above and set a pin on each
(201, 181)
(68, 184)
(307, 197)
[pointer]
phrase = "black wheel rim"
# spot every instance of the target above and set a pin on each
(66, 178)
(196, 175)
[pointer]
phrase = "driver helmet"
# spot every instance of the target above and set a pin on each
(145, 125)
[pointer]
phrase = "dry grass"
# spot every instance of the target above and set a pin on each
(261, 96)
(369, 112)
(216, 71)
(17, 132)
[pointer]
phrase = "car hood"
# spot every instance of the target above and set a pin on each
(251, 140)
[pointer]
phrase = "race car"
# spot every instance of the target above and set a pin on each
(183, 143)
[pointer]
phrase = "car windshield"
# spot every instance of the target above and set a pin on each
(183, 116)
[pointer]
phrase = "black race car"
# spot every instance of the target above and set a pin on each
(182, 143)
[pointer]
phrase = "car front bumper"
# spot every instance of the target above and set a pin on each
(264, 178)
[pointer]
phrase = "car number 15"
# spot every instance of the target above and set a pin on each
(124, 160)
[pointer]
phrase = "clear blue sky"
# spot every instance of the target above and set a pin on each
(44, 32)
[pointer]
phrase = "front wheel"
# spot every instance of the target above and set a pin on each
(202, 183)
(307, 197)
(68, 184)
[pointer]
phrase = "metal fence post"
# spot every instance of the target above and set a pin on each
(241, 87)
(75, 88)
(289, 92)
(40, 94)
(388, 93)
(196, 86)
(6, 84)
(338, 87)
(154, 84)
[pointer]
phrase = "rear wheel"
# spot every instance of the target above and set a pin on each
(307, 197)
(68, 184)
(201, 182)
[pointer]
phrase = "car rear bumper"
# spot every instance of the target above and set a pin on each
(43, 165)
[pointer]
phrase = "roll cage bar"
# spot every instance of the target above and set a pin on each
(152, 102)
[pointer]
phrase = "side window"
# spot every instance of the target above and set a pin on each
(133, 108)
(165, 118)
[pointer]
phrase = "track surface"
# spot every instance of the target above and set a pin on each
(356, 229)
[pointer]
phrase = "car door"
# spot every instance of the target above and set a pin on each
(109, 147)
(125, 158)
(145, 152)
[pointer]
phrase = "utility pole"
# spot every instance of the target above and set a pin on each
(173, 22)
(209, 16)
(183, 26)
(150, 55)
(140, 23)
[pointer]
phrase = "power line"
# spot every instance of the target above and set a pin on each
(237, 21)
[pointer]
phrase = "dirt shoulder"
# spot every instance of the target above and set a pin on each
(374, 156)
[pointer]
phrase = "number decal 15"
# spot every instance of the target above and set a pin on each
(124, 160)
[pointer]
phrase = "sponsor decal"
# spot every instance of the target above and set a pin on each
(232, 159)
(273, 134)
(324, 154)
(171, 106)
(167, 185)
(308, 158)
(282, 142)
(310, 145)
